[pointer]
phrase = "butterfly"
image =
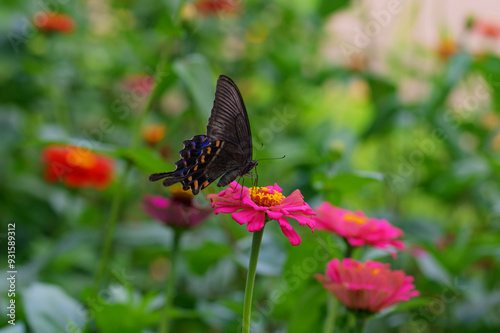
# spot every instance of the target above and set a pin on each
(225, 151)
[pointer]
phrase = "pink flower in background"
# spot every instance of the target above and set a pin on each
(251, 205)
(370, 286)
(418, 251)
(212, 7)
(358, 229)
(177, 211)
(138, 84)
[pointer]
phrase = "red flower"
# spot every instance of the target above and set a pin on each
(370, 286)
(487, 29)
(178, 211)
(358, 229)
(251, 205)
(51, 22)
(77, 167)
(211, 7)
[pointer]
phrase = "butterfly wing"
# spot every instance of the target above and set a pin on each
(225, 151)
(202, 162)
(229, 119)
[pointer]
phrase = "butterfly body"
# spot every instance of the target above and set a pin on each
(225, 151)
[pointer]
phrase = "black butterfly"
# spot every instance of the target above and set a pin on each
(225, 151)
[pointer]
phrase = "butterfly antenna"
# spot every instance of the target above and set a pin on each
(273, 158)
(261, 146)
(242, 184)
(256, 177)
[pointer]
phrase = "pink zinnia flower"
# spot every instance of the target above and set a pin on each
(178, 211)
(370, 286)
(251, 205)
(358, 229)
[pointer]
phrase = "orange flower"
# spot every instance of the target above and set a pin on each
(212, 7)
(77, 167)
(53, 22)
(446, 48)
(153, 133)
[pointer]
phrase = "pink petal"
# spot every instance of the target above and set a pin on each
(294, 199)
(257, 222)
(303, 220)
(288, 231)
(274, 215)
(245, 215)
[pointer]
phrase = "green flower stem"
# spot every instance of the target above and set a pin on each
(331, 315)
(349, 250)
(170, 286)
(252, 269)
(110, 227)
(120, 184)
(357, 322)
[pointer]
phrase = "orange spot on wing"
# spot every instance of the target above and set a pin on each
(195, 184)
(202, 158)
(217, 143)
(190, 178)
(195, 168)
(205, 184)
(209, 150)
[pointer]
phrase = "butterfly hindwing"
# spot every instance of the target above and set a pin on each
(215, 160)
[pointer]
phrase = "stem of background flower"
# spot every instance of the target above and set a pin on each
(110, 227)
(119, 189)
(331, 314)
(252, 269)
(170, 286)
(357, 322)
(348, 250)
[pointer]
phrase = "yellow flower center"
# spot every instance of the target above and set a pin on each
(375, 271)
(263, 196)
(179, 194)
(81, 158)
(355, 218)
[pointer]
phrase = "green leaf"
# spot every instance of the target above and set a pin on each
(346, 182)
(489, 67)
(194, 70)
(326, 7)
(49, 309)
(145, 159)
(17, 328)
(307, 315)
(272, 255)
(432, 269)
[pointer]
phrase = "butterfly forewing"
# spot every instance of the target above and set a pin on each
(225, 151)
(229, 119)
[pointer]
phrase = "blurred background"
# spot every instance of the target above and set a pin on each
(389, 107)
